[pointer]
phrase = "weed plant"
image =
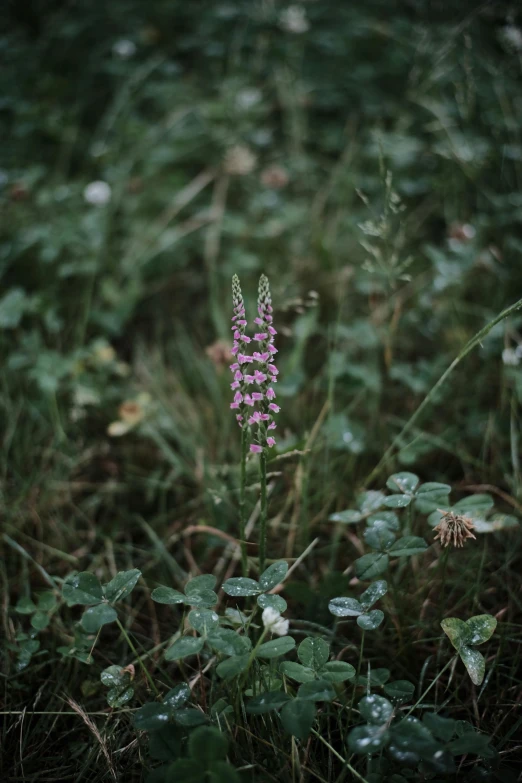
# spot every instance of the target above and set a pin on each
(185, 599)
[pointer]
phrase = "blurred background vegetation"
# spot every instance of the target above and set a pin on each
(366, 156)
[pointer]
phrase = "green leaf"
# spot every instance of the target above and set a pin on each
(185, 771)
(151, 716)
(407, 546)
(431, 496)
(119, 696)
(298, 717)
(399, 691)
(442, 728)
(337, 671)
(477, 503)
(272, 601)
(474, 663)
(481, 627)
(201, 598)
(228, 642)
(207, 744)
(370, 566)
(200, 584)
(178, 696)
(405, 482)
(318, 690)
(241, 586)
(273, 575)
(297, 672)
(368, 739)
(25, 606)
(266, 702)
(389, 518)
(458, 632)
(189, 717)
(379, 536)
(412, 736)
(276, 647)
(345, 607)
(84, 589)
(182, 648)
(371, 620)
(348, 517)
(203, 620)
(472, 742)
(231, 667)
(166, 595)
(397, 501)
(122, 585)
(375, 709)
(313, 652)
(13, 305)
(370, 501)
(46, 601)
(40, 620)
(495, 523)
(113, 676)
(165, 743)
(373, 593)
(93, 618)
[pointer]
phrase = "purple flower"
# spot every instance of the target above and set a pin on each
(255, 448)
(266, 374)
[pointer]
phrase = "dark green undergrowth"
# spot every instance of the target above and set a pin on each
(369, 161)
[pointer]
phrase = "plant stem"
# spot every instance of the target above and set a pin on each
(263, 514)
(361, 649)
(338, 755)
(242, 504)
(142, 665)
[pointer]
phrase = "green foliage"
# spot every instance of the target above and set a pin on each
(464, 635)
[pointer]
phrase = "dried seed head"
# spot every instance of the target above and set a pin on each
(453, 529)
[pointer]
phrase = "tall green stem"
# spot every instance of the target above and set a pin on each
(264, 513)
(242, 503)
(142, 665)
(356, 681)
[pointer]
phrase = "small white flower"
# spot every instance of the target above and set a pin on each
(273, 622)
(510, 357)
(97, 193)
(239, 161)
(124, 48)
(293, 19)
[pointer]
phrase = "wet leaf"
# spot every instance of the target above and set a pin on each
(337, 671)
(97, 616)
(388, 518)
(368, 739)
(379, 536)
(399, 691)
(370, 566)
(345, 607)
(442, 728)
(474, 663)
(313, 652)
(151, 716)
(241, 586)
(405, 482)
(276, 647)
(481, 627)
(122, 585)
(178, 696)
(228, 642)
(84, 589)
(407, 546)
(348, 517)
(373, 593)
(203, 620)
(182, 648)
(397, 501)
(273, 575)
(375, 709)
(297, 672)
(231, 667)
(166, 595)
(371, 620)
